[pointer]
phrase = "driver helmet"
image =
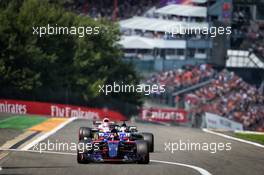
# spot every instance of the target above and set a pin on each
(123, 127)
(106, 122)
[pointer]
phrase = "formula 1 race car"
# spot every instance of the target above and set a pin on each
(113, 144)
(134, 134)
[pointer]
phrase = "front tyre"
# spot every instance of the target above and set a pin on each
(81, 158)
(82, 152)
(142, 152)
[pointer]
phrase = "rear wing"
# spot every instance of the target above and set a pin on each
(132, 129)
(97, 123)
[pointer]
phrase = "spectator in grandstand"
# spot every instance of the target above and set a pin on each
(229, 96)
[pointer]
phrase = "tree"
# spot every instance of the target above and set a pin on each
(59, 68)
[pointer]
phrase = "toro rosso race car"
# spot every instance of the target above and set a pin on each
(107, 141)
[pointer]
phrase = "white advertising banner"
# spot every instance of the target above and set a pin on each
(214, 121)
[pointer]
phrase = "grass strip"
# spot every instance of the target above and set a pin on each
(259, 138)
(21, 122)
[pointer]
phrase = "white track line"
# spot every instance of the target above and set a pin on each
(200, 170)
(0, 168)
(233, 138)
(46, 135)
(196, 168)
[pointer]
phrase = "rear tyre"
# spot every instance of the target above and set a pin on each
(142, 151)
(150, 139)
(85, 132)
(82, 157)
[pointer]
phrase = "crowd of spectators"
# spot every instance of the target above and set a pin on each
(111, 9)
(164, 35)
(182, 78)
(231, 97)
(225, 94)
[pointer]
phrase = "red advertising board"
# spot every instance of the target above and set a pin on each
(56, 110)
(164, 115)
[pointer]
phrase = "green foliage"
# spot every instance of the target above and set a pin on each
(58, 63)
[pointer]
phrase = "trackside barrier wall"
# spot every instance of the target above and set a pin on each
(214, 121)
(56, 110)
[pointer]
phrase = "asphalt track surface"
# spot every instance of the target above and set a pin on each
(243, 159)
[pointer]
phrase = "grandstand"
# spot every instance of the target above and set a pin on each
(222, 75)
(204, 89)
(147, 23)
(180, 60)
(152, 33)
(143, 21)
